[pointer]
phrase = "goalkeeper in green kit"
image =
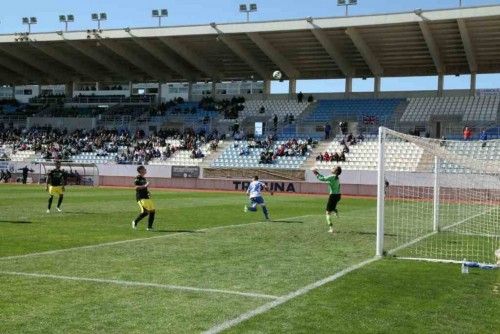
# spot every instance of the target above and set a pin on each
(334, 188)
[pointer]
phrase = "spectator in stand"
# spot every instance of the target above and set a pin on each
(310, 99)
(345, 149)
(335, 157)
(343, 127)
(328, 130)
(245, 151)
(275, 123)
(300, 97)
(467, 133)
(483, 137)
(341, 156)
(360, 137)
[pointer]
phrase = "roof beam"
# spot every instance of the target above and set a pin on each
(136, 60)
(365, 51)
(274, 55)
(21, 69)
(8, 77)
(244, 55)
(36, 63)
(432, 46)
(332, 50)
(164, 58)
(468, 47)
(67, 61)
(92, 53)
(194, 59)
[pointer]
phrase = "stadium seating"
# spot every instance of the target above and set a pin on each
(92, 158)
(474, 150)
(23, 156)
(365, 110)
(400, 156)
(231, 158)
(468, 108)
(182, 157)
(184, 112)
(281, 108)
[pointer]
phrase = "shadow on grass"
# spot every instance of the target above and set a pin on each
(175, 231)
(287, 221)
(15, 221)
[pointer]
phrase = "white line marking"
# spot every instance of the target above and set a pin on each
(140, 284)
(113, 243)
(283, 299)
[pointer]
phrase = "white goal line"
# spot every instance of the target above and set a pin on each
(113, 243)
(139, 284)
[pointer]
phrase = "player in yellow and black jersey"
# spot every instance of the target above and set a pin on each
(56, 181)
(143, 198)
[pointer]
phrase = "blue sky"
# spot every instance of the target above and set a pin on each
(123, 13)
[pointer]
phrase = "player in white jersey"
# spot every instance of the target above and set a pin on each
(254, 192)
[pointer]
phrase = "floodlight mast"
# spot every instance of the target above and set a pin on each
(99, 17)
(29, 21)
(347, 3)
(159, 13)
(66, 19)
(251, 8)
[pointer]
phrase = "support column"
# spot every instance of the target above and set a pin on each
(376, 86)
(13, 91)
(213, 90)
(440, 85)
(473, 84)
(190, 91)
(159, 94)
(130, 88)
(348, 86)
(267, 87)
(292, 87)
(69, 89)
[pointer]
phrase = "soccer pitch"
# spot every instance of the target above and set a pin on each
(208, 267)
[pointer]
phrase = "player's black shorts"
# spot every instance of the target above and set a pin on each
(332, 202)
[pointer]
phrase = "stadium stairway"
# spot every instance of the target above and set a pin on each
(320, 149)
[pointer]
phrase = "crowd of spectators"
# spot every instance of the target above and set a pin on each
(345, 143)
(52, 143)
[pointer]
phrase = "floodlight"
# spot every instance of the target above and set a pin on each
(253, 7)
(95, 17)
(26, 20)
(164, 12)
(103, 16)
(33, 20)
(159, 13)
(62, 18)
(243, 8)
(155, 13)
(71, 18)
(341, 2)
(353, 2)
(248, 9)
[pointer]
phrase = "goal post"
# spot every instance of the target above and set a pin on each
(437, 200)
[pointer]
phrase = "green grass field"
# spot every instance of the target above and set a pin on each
(85, 270)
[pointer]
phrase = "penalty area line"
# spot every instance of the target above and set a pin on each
(139, 284)
(286, 298)
(114, 243)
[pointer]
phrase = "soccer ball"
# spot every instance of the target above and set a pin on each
(497, 254)
(277, 75)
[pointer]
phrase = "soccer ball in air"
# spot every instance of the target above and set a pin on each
(277, 75)
(497, 254)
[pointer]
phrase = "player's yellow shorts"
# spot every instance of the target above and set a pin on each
(146, 204)
(56, 190)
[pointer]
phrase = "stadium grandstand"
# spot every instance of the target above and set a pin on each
(194, 105)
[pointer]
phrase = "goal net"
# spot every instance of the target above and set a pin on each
(438, 200)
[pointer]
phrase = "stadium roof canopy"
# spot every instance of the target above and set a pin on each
(419, 43)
